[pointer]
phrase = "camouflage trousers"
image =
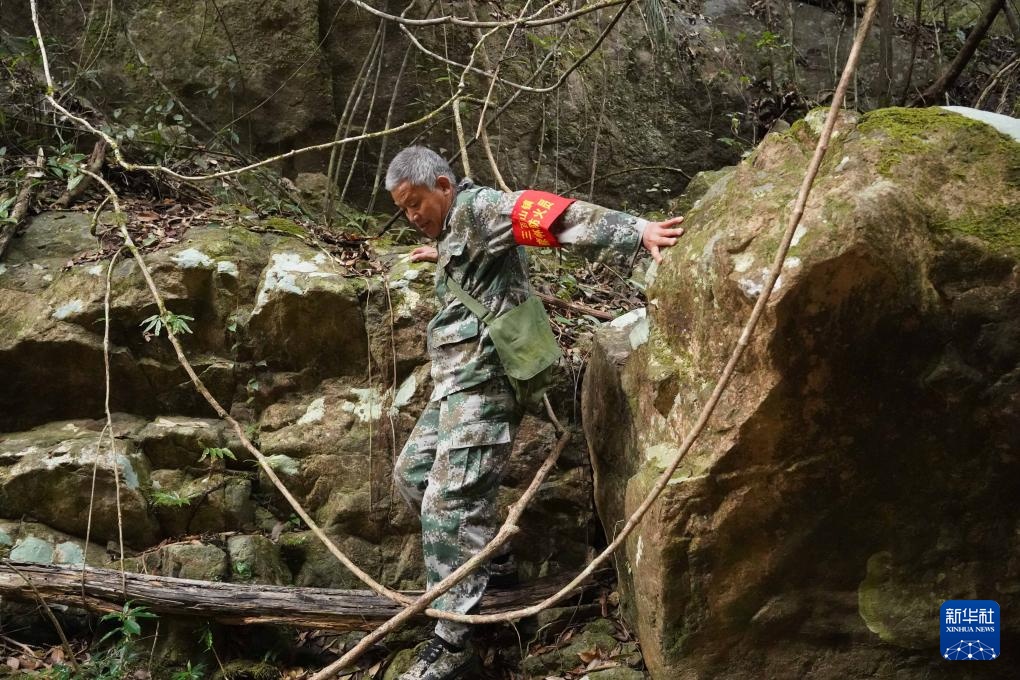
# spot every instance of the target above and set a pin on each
(449, 472)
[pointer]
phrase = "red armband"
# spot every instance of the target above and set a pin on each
(533, 217)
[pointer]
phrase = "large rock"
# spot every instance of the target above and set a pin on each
(307, 314)
(256, 559)
(175, 442)
(63, 475)
(51, 314)
(193, 560)
(861, 467)
(33, 542)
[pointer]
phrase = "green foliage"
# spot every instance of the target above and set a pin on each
(65, 166)
(115, 662)
(127, 618)
(353, 220)
(190, 673)
(168, 499)
(544, 43)
(175, 323)
(242, 570)
(215, 453)
(6, 210)
(770, 41)
(205, 637)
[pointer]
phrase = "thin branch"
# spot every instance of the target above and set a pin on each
(518, 86)
(531, 21)
(504, 534)
(574, 306)
(482, 131)
(389, 118)
(380, 57)
(109, 416)
(337, 153)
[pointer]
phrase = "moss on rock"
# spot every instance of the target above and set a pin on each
(998, 227)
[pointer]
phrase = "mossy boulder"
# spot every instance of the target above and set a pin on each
(43, 477)
(305, 303)
(34, 542)
(213, 502)
(872, 415)
(193, 560)
(256, 559)
(176, 442)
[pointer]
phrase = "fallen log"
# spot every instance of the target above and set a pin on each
(240, 603)
(20, 211)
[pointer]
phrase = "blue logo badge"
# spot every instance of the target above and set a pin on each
(970, 630)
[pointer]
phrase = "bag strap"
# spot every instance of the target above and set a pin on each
(476, 307)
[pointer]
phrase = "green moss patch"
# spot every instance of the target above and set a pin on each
(999, 227)
(285, 226)
(911, 132)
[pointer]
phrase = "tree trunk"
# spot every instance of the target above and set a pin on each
(1014, 23)
(885, 35)
(236, 603)
(937, 89)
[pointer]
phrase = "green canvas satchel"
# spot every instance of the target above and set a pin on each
(524, 341)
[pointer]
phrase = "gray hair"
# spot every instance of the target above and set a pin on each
(419, 166)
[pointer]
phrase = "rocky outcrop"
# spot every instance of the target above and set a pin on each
(861, 467)
(297, 347)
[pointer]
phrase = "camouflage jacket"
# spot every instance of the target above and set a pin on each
(477, 248)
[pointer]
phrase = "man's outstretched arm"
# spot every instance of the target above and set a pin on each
(582, 225)
(587, 225)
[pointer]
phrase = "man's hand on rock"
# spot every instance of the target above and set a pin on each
(661, 235)
(424, 254)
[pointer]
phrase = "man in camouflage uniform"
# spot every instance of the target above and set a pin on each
(450, 469)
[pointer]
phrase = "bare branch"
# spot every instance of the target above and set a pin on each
(518, 86)
(530, 21)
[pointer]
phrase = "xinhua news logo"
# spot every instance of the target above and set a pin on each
(970, 630)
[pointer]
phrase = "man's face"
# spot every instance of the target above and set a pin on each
(425, 208)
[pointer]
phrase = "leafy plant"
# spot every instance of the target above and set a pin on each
(205, 637)
(168, 499)
(127, 618)
(175, 323)
(66, 166)
(113, 663)
(214, 454)
(242, 570)
(189, 673)
(6, 208)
